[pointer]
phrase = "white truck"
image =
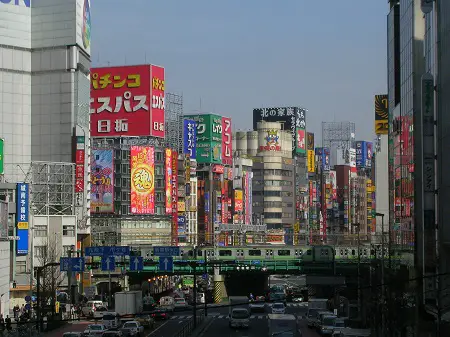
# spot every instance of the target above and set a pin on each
(128, 303)
(315, 305)
(239, 315)
(282, 325)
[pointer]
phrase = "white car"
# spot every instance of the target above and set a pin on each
(258, 304)
(278, 308)
(132, 328)
(99, 312)
(180, 303)
(94, 330)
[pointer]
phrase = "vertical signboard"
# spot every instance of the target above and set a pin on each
(127, 101)
(300, 146)
(360, 154)
(190, 138)
(227, 150)
(369, 154)
(182, 226)
(238, 203)
(79, 169)
(3, 219)
(168, 180)
(311, 161)
(381, 114)
(22, 217)
(2, 165)
(142, 180)
(209, 138)
(247, 198)
(325, 159)
(158, 104)
(187, 174)
(102, 180)
(300, 131)
(310, 141)
(174, 197)
(352, 159)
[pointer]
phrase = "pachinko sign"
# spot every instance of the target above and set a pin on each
(227, 149)
(127, 101)
(174, 197)
(142, 180)
(102, 178)
(168, 176)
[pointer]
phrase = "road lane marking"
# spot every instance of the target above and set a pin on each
(151, 333)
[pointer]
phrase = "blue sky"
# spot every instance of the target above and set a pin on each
(231, 56)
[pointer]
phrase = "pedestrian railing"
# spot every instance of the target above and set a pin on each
(189, 327)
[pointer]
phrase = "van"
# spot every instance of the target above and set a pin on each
(167, 302)
(326, 325)
(239, 318)
(89, 308)
(111, 320)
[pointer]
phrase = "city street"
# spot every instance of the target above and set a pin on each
(219, 325)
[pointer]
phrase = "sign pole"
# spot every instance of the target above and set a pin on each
(195, 288)
(109, 290)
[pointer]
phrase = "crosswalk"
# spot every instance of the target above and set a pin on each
(217, 316)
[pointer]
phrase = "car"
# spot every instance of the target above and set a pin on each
(112, 334)
(72, 334)
(90, 307)
(180, 303)
(132, 328)
(94, 330)
(297, 299)
(99, 312)
(146, 320)
(160, 314)
(278, 308)
(258, 304)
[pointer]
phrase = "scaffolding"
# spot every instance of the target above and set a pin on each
(174, 121)
(338, 135)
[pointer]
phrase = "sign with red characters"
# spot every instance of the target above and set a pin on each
(79, 171)
(227, 146)
(174, 197)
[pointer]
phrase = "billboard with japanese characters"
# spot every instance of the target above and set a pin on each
(22, 217)
(168, 176)
(227, 146)
(127, 101)
(369, 149)
(102, 180)
(190, 138)
(209, 138)
(174, 198)
(292, 118)
(142, 180)
(361, 154)
(300, 146)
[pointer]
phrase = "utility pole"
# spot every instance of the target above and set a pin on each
(194, 265)
(383, 290)
(206, 285)
(358, 225)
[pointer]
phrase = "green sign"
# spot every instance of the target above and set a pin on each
(1, 156)
(209, 138)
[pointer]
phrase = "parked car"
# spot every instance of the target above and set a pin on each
(94, 330)
(132, 328)
(112, 334)
(72, 334)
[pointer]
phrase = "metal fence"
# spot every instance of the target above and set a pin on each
(189, 327)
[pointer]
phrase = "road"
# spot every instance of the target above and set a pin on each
(290, 280)
(218, 327)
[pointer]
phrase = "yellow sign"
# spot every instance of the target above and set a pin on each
(57, 307)
(381, 114)
(181, 206)
(311, 161)
(22, 225)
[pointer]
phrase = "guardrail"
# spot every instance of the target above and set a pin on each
(188, 328)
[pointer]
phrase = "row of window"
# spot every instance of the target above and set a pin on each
(272, 172)
(270, 204)
(41, 231)
(276, 215)
(272, 182)
(273, 193)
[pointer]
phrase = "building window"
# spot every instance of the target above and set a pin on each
(66, 250)
(287, 204)
(272, 215)
(158, 156)
(159, 183)
(21, 267)
(69, 230)
(273, 193)
(273, 183)
(269, 204)
(286, 194)
(40, 251)
(159, 170)
(40, 231)
(124, 209)
(287, 215)
(159, 197)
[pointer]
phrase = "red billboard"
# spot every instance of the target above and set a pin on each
(168, 175)
(142, 180)
(227, 147)
(174, 197)
(127, 101)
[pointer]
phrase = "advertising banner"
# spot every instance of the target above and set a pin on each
(227, 146)
(310, 141)
(187, 173)
(190, 138)
(300, 146)
(174, 197)
(238, 202)
(22, 217)
(158, 105)
(271, 141)
(352, 157)
(247, 198)
(2, 165)
(127, 101)
(142, 180)
(168, 178)
(206, 202)
(381, 114)
(209, 138)
(311, 161)
(250, 196)
(182, 226)
(333, 184)
(369, 154)
(325, 159)
(361, 154)
(102, 180)
(79, 170)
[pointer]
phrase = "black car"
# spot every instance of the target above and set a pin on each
(160, 314)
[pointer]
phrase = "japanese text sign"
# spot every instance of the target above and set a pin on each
(22, 217)
(381, 114)
(79, 171)
(142, 180)
(238, 202)
(127, 101)
(310, 141)
(102, 180)
(174, 197)
(227, 146)
(300, 146)
(168, 174)
(209, 138)
(190, 138)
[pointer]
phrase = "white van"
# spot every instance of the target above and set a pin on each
(111, 320)
(239, 318)
(89, 308)
(167, 302)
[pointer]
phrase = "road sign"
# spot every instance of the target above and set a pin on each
(256, 262)
(27, 298)
(108, 251)
(136, 263)
(166, 251)
(205, 276)
(76, 264)
(108, 263)
(166, 263)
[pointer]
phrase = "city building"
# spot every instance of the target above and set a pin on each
(44, 82)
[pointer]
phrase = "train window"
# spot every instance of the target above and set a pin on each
(342, 252)
(353, 252)
(284, 252)
(240, 252)
(372, 252)
(225, 252)
(254, 252)
(346, 251)
(308, 252)
(199, 253)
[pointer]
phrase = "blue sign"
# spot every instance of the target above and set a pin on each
(27, 3)
(166, 263)
(108, 263)
(107, 251)
(205, 276)
(22, 218)
(206, 202)
(325, 159)
(255, 262)
(190, 138)
(361, 154)
(75, 264)
(166, 251)
(136, 263)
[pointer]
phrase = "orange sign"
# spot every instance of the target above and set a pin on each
(142, 180)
